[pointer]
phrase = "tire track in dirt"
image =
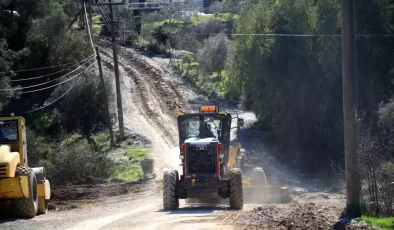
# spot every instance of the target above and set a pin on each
(159, 99)
(142, 95)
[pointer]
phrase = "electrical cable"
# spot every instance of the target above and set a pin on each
(32, 91)
(283, 35)
(88, 26)
(105, 14)
(300, 35)
(46, 75)
(32, 86)
(47, 67)
(104, 18)
(52, 102)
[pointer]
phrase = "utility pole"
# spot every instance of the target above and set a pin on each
(352, 174)
(81, 18)
(105, 98)
(90, 14)
(116, 65)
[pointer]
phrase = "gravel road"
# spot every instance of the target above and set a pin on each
(151, 97)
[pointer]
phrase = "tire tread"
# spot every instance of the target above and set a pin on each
(26, 207)
(236, 191)
(170, 197)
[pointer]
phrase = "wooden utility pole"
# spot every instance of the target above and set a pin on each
(116, 65)
(90, 14)
(105, 98)
(352, 174)
(117, 80)
(81, 23)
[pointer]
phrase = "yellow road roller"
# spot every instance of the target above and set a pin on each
(24, 191)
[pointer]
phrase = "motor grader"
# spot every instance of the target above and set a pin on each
(25, 191)
(210, 169)
(204, 151)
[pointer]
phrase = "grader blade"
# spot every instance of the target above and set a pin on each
(254, 194)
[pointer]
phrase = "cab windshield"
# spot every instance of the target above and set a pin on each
(201, 127)
(8, 131)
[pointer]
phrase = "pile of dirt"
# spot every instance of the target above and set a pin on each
(296, 216)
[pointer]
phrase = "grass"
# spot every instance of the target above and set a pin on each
(129, 172)
(131, 169)
(97, 24)
(197, 19)
(386, 223)
(220, 17)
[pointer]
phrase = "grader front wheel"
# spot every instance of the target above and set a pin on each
(170, 198)
(236, 192)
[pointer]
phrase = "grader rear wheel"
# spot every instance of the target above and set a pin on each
(27, 207)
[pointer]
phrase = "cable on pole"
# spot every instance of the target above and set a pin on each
(46, 75)
(32, 91)
(89, 34)
(32, 86)
(52, 102)
(299, 35)
(104, 18)
(104, 12)
(47, 67)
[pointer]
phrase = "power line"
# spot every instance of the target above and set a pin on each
(105, 19)
(299, 35)
(32, 86)
(46, 75)
(32, 91)
(89, 34)
(52, 102)
(282, 35)
(104, 14)
(41, 76)
(47, 67)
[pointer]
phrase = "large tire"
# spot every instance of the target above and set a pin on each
(259, 177)
(170, 197)
(236, 192)
(27, 207)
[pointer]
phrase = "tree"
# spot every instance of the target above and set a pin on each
(8, 58)
(212, 57)
(83, 109)
(207, 28)
(294, 83)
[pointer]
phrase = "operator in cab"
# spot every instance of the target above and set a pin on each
(205, 129)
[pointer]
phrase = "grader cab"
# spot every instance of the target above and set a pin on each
(23, 190)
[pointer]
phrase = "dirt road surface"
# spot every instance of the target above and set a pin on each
(151, 97)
